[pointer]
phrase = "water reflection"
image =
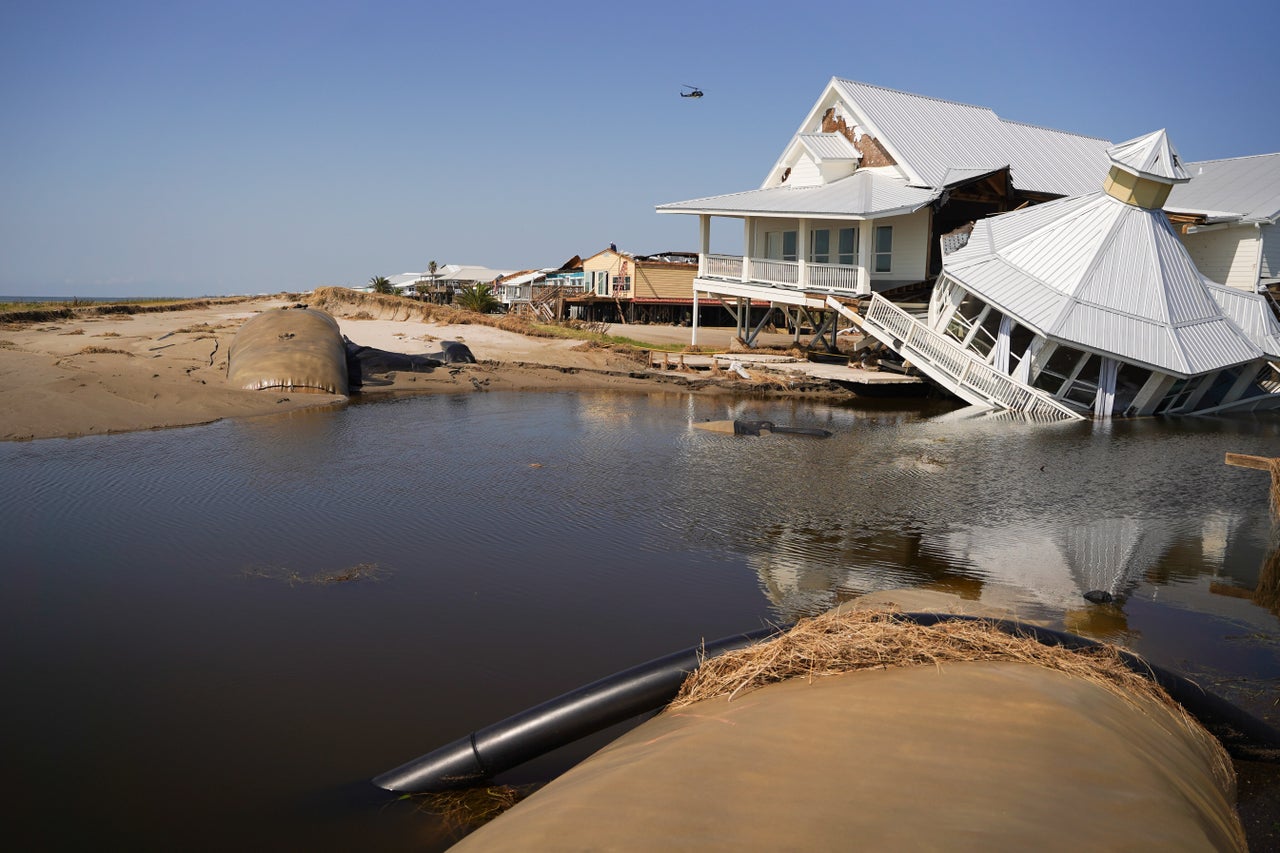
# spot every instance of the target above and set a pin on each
(529, 544)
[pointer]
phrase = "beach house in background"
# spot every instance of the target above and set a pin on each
(623, 287)
(448, 279)
(1089, 306)
(542, 292)
(441, 285)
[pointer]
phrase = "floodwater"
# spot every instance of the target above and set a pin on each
(178, 675)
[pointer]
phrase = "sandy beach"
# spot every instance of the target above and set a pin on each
(95, 373)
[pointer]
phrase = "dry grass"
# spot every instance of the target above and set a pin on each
(95, 350)
(1275, 489)
(835, 643)
(24, 314)
(471, 808)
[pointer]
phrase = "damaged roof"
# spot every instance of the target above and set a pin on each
(1108, 276)
(929, 136)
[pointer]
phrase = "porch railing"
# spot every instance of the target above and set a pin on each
(835, 277)
(724, 266)
(952, 365)
(775, 272)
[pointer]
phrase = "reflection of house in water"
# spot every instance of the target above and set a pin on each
(1033, 571)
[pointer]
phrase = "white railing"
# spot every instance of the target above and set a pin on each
(928, 348)
(833, 277)
(775, 272)
(724, 266)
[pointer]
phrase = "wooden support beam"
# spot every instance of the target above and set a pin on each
(1260, 463)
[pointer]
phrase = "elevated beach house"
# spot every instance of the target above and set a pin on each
(636, 288)
(1089, 306)
(861, 195)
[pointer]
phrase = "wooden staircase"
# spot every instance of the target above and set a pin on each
(949, 364)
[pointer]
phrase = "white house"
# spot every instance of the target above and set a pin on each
(872, 178)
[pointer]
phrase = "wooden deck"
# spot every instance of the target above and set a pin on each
(665, 361)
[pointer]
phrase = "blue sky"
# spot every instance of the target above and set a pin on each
(241, 147)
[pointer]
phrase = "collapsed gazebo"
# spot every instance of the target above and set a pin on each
(1091, 305)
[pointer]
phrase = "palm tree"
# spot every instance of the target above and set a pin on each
(478, 298)
(381, 284)
(431, 271)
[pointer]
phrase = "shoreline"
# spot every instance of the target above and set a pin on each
(99, 370)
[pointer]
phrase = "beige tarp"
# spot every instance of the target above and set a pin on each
(963, 756)
(300, 349)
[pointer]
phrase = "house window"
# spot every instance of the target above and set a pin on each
(847, 247)
(820, 246)
(884, 248)
(780, 245)
(622, 282)
(600, 282)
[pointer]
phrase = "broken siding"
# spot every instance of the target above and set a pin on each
(1227, 256)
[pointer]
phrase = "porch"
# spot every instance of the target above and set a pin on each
(840, 279)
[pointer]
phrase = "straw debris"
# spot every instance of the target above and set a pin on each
(839, 642)
(1275, 489)
(471, 808)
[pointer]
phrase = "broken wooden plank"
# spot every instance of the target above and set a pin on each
(1243, 460)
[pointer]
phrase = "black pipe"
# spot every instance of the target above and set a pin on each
(650, 686)
(529, 734)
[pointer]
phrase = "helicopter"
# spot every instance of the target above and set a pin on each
(694, 92)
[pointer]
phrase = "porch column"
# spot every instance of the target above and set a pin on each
(802, 253)
(866, 231)
(704, 243)
(746, 248)
(693, 338)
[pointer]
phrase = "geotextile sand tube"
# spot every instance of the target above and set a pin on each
(873, 731)
(296, 349)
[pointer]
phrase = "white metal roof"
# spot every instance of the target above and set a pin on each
(1106, 276)
(862, 195)
(524, 279)
(1251, 313)
(1152, 156)
(928, 136)
(829, 146)
(467, 272)
(1247, 188)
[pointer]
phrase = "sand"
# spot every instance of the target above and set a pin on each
(94, 374)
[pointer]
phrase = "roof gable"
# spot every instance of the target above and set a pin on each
(928, 138)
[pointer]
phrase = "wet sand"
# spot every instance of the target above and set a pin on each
(107, 373)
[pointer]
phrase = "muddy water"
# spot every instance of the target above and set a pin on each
(214, 636)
